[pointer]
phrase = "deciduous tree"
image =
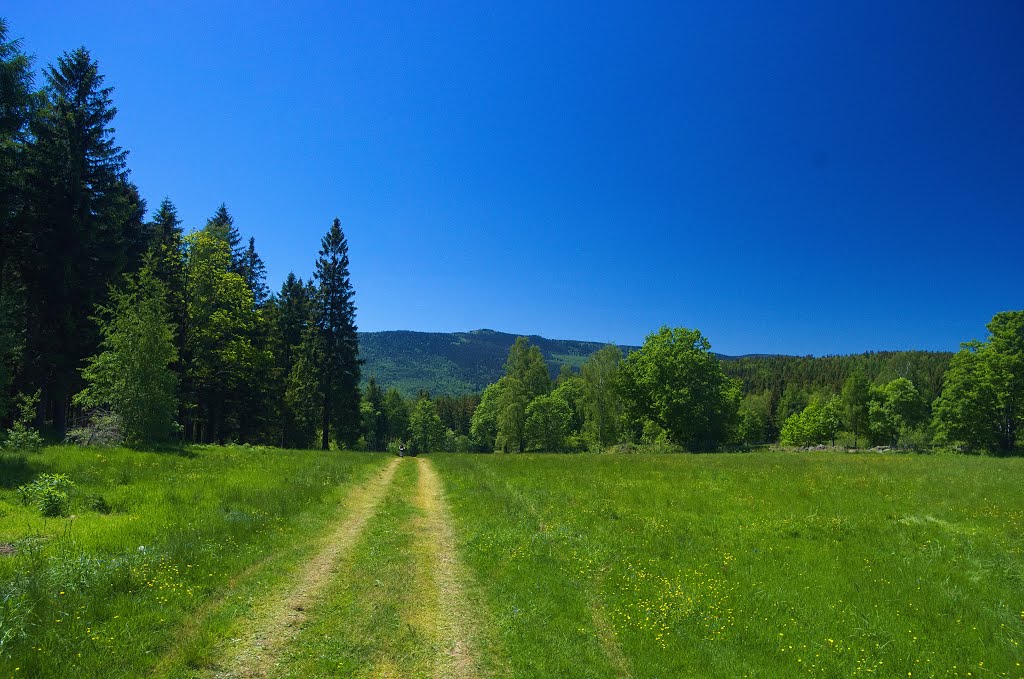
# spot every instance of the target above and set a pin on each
(602, 406)
(425, 427)
(856, 396)
(548, 418)
(982, 402)
(132, 373)
(675, 382)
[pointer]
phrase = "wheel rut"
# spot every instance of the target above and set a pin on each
(456, 623)
(277, 621)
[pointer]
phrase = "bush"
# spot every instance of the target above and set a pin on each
(21, 436)
(103, 428)
(917, 439)
(50, 493)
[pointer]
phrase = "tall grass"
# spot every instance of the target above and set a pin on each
(104, 594)
(765, 564)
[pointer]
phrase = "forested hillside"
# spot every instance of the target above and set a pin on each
(465, 362)
(457, 362)
(828, 373)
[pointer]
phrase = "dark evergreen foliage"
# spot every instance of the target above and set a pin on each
(222, 225)
(80, 207)
(254, 271)
(325, 381)
(288, 317)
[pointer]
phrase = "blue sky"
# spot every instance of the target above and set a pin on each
(786, 177)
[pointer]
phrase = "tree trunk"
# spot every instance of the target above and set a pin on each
(325, 436)
(60, 409)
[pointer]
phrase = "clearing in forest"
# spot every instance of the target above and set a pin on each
(233, 562)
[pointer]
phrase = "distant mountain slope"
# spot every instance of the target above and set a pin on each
(457, 362)
(466, 362)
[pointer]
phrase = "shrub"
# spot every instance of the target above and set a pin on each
(50, 493)
(103, 428)
(21, 435)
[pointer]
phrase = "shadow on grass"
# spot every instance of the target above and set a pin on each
(16, 470)
(177, 449)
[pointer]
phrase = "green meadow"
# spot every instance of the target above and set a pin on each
(108, 594)
(765, 564)
(760, 564)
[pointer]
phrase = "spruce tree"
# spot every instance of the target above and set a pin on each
(85, 222)
(335, 342)
(222, 225)
(254, 271)
(16, 107)
(288, 315)
(167, 257)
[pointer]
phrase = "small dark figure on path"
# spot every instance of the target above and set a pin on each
(401, 450)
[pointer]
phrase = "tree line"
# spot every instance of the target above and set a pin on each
(114, 320)
(673, 392)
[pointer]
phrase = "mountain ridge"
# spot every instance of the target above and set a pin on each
(455, 363)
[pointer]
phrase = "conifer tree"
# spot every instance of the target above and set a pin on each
(167, 256)
(85, 222)
(12, 337)
(222, 225)
(288, 315)
(16, 105)
(325, 380)
(254, 271)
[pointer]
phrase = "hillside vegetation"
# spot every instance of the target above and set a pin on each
(454, 363)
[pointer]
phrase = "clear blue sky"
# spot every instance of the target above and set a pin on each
(797, 178)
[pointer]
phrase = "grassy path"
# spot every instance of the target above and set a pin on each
(277, 621)
(455, 622)
(398, 606)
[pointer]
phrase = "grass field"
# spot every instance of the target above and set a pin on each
(253, 562)
(766, 564)
(191, 534)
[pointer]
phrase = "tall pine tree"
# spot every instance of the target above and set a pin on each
(254, 271)
(86, 223)
(222, 225)
(325, 379)
(16, 105)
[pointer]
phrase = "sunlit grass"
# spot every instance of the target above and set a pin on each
(766, 564)
(374, 620)
(99, 594)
